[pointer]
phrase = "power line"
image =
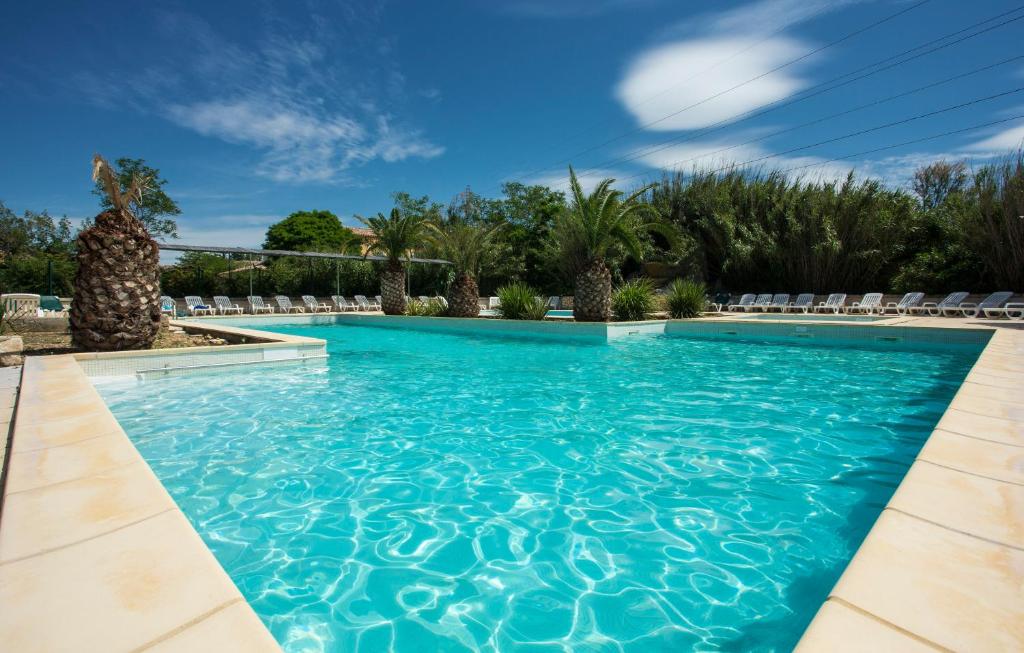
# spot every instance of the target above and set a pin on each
(835, 115)
(807, 94)
(851, 134)
(810, 53)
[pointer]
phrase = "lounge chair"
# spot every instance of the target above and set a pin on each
(380, 302)
(168, 306)
(745, 301)
(442, 301)
(314, 306)
(834, 303)
(20, 304)
(367, 305)
(51, 306)
(903, 306)
(804, 302)
(867, 305)
(970, 309)
(760, 304)
(493, 303)
(196, 305)
(779, 301)
(554, 302)
(953, 299)
(284, 304)
(423, 299)
(257, 306)
(1010, 311)
(343, 304)
(224, 305)
(720, 300)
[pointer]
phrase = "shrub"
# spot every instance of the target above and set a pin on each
(519, 302)
(633, 300)
(686, 298)
(430, 308)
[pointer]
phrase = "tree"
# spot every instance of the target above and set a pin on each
(395, 237)
(306, 231)
(584, 236)
(935, 182)
(465, 244)
(36, 253)
(117, 288)
(149, 208)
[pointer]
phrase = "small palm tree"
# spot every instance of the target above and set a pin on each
(117, 287)
(395, 237)
(465, 245)
(584, 235)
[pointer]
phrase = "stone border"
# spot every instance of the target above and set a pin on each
(94, 553)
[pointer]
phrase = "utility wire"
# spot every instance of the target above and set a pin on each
(831, 116)
(851, 134)
(807, 94)
(810, 53)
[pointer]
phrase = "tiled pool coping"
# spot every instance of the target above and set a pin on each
(90, 539)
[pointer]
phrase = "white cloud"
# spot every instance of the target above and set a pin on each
(766, 16)
(668, 78)
(588, 180)
(1008, 139)
(708, 156)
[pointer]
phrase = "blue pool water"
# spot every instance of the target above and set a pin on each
(437, 492)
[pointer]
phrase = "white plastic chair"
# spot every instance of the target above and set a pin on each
(224, 305)
(903, 306)
(867, 304)
(285, 304)
(779, 301)
(834, 303)
(952, 300)
(196, 305)
(803, 302)
(314, 306)
(744, 302)
(970, 309)
(343, 304)
(257, 306)
(167, 305)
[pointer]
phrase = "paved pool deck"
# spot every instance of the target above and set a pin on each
(95, 555)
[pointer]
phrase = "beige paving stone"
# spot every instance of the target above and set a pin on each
(39, 429)
(1004, 392)
(57, 515)
(117, 592)
(41, 467)
(980, 405)
(970, 504)
(1009, 380)
(840, 629)
(955, 590)
(235, 628)
(7, 396)
(990, 459)
(981, 426)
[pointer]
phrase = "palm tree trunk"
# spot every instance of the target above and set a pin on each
(463, 297)
(117, 289)
(593, 300)
(392, 289)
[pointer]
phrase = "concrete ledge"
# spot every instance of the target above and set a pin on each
(94, 554)
(943, 567)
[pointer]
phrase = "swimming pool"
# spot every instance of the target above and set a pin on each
(436, 491)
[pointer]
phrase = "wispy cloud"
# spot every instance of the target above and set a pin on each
(1007, 139)
(309, 111)
(568, 8)
(588, 179)
(709, 155)
(763, 16)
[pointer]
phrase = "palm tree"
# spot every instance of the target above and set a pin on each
(395, 237)
(465, 245)
(584, 235)
(117, 287)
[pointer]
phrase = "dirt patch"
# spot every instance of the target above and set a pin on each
(42, 344)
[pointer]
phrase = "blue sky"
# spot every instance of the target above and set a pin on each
(253, 110)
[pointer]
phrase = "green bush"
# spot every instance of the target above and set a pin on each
(519, 302)
(686, 298)
(633, 300)
(430, 308)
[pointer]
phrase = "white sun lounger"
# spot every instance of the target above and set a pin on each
(285, 304)
(867, 304)
(343, 304)
(779, 301)
(970, 309)
(314, 306)
(744, 302)
(554, 302)
(903, 306)
(1012, 310)
(257, 306)
(224, 305)
(196, 305)
(367, 305)
(834, 303)
(953, 299)
(167, 305)
(493, 302)
(804, 302)
(759, 304)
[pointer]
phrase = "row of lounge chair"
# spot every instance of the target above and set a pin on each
(954, 305)
(224, 306)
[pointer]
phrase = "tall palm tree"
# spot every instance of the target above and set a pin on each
(584, 235)
(395, 237)
(465, 245)
(117, 287)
